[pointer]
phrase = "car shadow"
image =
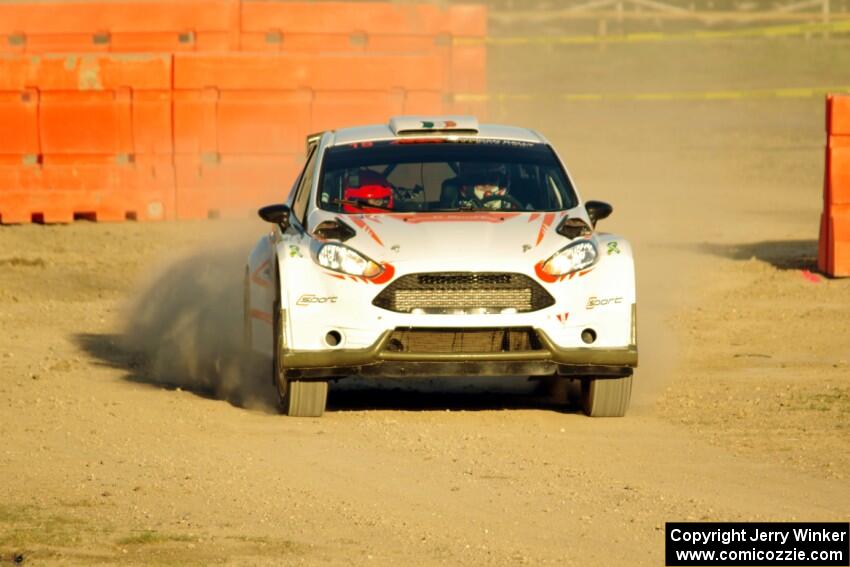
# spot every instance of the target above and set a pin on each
(109, 350)
(781, 254)
(251, 389)
(450, 394)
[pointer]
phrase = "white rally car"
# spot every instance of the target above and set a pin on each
(437, 246)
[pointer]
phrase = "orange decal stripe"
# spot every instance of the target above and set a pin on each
(262, 316)
(257, 278)
(546, 277)
(385, 276)
(544, 226)
(368, 229)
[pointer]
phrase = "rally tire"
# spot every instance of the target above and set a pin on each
(298, 398)
(606, 397)
(305, 399)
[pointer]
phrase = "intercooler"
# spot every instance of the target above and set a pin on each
(464, 292)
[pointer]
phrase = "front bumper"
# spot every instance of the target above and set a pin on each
(378, 360)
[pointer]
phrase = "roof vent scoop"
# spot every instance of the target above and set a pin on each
(401, 125)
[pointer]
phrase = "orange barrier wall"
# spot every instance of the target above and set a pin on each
(85, 136)
(373, 27)
(121, 26)
(240, 119)
(834, 242)
(158, 109)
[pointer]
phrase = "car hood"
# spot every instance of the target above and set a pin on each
(459, 241)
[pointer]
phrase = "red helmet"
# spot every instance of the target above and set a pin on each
(367, 187)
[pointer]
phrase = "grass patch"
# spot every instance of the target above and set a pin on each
(152, 537)
(81, 503)
(17, 261)
(25, 528)
(831, 400)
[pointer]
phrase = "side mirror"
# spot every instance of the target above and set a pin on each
(277, 214)
(598, 210)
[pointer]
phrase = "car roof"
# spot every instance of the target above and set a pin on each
(380, 132)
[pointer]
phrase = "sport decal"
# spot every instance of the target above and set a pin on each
(602, 301)
(313, 299)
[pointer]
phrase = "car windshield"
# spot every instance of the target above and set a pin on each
(442, 175)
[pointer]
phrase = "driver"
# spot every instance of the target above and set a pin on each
(366, 187)
(481, 185)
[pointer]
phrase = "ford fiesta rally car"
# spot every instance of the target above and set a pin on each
(435, 246)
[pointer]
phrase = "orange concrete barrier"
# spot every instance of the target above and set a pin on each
(319, 72)
(19, 123)
(63, 190)
(838, 115)
(124, 25)
(89, 104)
(232, 186)
(85, 136)
(838, 175)
(375, 27)
(153, 109)
(838, 234)
(209, 121)
(834, 240)
(823, 244)
(240, 119)
(838, 141)
(371, 21)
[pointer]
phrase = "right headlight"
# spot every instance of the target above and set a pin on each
(577, 256)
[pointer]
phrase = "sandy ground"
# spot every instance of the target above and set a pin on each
(741, 405)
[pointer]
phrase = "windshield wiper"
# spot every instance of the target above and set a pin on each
(361, 204)
(465, 207)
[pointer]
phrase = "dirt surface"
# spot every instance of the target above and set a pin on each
(129, 435)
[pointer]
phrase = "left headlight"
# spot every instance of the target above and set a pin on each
(343, 259)
(576, 256)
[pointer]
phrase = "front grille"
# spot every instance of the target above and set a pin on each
(463, 292)
(478, 340)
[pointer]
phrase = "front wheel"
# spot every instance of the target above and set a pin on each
(304, 399)
(298, 398)
(606, 397)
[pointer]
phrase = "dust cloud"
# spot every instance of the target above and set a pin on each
(186, 322)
